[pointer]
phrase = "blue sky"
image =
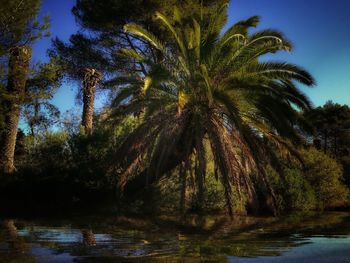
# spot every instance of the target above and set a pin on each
(319, 30)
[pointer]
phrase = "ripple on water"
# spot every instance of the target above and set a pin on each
(322, 239)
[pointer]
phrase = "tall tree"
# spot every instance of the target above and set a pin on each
(82, 61)
(331, 127)
(18, 30)
(17, 77)
(210, 87)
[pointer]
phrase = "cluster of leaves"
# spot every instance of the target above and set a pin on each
(331, 132)
(331, 128)
(319, 184)
(18, 24)
(65, 169)
(38, 113)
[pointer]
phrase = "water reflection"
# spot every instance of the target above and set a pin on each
(104, 240)
(13, 247)
(11, 229)
(88, 237)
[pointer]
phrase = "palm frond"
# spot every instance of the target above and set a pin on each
(141, 32)
(280, 71)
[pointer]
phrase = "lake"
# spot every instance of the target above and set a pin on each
(323, 238)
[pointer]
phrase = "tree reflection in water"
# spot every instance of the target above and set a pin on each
(88, 237)
(10, 227)
(17, 249)
(77, 241)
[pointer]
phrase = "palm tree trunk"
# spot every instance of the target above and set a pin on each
(91, 79)
(17, 77)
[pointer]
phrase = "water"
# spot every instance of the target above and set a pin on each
(304, 238)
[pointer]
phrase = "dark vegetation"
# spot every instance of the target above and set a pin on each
(195, 121)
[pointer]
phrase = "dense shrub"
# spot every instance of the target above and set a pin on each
(325, 175)
(317, 185)
(345, 161)
(169, 188)
(47, 154)
(299, 194)
(69, 167)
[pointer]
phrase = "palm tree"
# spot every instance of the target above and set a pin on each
(211, 88)
(83, 62)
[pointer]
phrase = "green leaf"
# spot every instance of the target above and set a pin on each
(141, 32)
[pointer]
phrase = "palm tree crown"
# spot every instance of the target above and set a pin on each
(208, 91)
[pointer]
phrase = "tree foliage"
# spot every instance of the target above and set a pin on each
(18, 24)
(331, 125)
(106, 20)
(112, 15)
(210, 86)
(38, 113)
(18, 31)
(318, 185)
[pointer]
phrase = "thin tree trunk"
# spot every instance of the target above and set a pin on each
(31, 127)
(199, 188)
(336, 144)
(91, 79)
(182, 175)
(325, 141)
(17, 77)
